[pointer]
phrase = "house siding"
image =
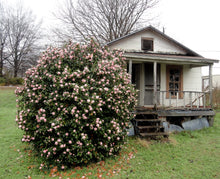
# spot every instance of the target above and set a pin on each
(161, 45)
(191, 82)
(191, 78)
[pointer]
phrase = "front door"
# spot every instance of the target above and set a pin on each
(136, 78)
(149, 82)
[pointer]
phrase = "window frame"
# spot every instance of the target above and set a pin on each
(174, 67)
(149, 39)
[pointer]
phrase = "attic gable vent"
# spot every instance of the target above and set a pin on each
(147, 44)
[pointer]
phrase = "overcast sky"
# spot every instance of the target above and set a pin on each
(194, 23)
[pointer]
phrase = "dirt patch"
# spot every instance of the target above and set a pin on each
(172, 141)
(143, 142)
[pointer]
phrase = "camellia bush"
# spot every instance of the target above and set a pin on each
(76, 104)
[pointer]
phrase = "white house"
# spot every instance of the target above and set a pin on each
(168, 77)
(165, 72)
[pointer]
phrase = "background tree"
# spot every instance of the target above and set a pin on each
(3, 38)
(104, 20)
(23, 35)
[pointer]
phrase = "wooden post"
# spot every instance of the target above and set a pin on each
(163, 98)
(155, 84)
(130, 69)
(190, 94)
(210, 85)
(184, 100)
(177, 98)
(169, 98)
(142, 84)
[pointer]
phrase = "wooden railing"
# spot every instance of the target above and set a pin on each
(184, 99)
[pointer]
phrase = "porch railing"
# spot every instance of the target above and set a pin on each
(192, 99)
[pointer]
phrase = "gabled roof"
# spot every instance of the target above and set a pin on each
(151, 28)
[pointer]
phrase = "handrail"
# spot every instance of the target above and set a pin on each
(184, 99)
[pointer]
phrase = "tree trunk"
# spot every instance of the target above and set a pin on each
(15, 73)
(1, 68)
(15, 64)
(1, 62)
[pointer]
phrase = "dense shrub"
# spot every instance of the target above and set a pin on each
(75, 105)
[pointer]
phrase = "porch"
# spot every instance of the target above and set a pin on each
(168, 84)
(170, 93)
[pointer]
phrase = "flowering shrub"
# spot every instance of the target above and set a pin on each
(75, 104)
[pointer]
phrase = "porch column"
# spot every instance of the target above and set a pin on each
(130, 69)
(210, 84)
(155, 84)
(142, 84)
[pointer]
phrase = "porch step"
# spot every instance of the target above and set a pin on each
(147, 124)
(147, 120)
(154, 134)
(149, 127)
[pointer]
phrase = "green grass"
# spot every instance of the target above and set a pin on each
(186, 155)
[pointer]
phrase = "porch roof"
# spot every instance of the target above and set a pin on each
(169, 58)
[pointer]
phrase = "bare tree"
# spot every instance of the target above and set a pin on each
(104, 20)
(23, 35)
(3, 38)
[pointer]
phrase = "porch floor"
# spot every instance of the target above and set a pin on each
(149, 121)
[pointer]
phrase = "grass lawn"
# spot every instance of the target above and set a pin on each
(186, 155)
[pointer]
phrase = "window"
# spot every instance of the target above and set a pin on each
(174, 81)
(147, 44)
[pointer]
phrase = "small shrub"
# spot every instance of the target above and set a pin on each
(20, 81)
(2, 81)
(75, 105)
(15, 81)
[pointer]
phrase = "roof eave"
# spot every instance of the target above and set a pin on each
(199, 61)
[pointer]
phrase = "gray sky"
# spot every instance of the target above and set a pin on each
(194, 23)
